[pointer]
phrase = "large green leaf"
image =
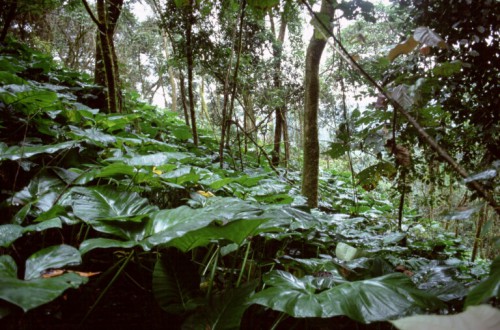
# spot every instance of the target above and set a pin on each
(235, 231)
(32, 99)
(106, 203)
(23, 152)
(93, 136)
(29, 294)
(376, 299)
(167, 225)
(337, 149)
(370, 176)
(223, 218)
(176, 283)
(56, 256)
(105, 243)
(38, 197)
(488, 288)
(9, 233)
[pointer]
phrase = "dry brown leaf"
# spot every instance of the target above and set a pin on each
(85, 274)
(402, 48)
(53, 273)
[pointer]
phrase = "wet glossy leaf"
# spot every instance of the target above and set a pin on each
(56, 256)
(35, 292)
(105, 203)
(17, 152)
(488, 288)
(235, 231)
(104, 243)
(345, 252)
(376, 299)
(9, 233)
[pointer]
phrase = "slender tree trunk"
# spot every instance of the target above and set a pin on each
(171, 75)
(8, 17)
(236, 71)
(279, 124)
(189, 55)
(310, 170)
(249, 117)
(183, 98)
(483, 215)
(226, 113)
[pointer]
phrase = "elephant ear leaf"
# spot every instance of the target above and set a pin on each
(37, 290)
(360, 300)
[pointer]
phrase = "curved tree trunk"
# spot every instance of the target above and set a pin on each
(310, 168)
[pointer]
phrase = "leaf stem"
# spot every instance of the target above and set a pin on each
(115, 277)
(244, 263)
(212, 274)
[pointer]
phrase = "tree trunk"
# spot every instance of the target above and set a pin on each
(249, 117)
(183, 98)
(171, 75)
(310, 169)
(280, 123)
(106, 62)
(8, 17)
(189, 56)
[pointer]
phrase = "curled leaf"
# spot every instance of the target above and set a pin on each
(428, 37)
(402, 49)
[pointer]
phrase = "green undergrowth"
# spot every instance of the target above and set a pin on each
(88, 198)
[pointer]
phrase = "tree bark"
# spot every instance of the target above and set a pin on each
(280, 123)
(310, 170)
(189, 56)
(171, 75)
(106, 62)
(8, 17)
(183, 98)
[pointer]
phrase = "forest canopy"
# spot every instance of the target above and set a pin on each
(253, 164)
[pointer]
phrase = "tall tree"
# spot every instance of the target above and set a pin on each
(190, 20)
(280, 111)
(106, 61)
(310, 170)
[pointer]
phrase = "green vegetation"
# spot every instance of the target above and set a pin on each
(127, 218)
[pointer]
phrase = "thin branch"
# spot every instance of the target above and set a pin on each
(92, 16)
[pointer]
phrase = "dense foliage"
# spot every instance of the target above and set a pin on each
(94, 200)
